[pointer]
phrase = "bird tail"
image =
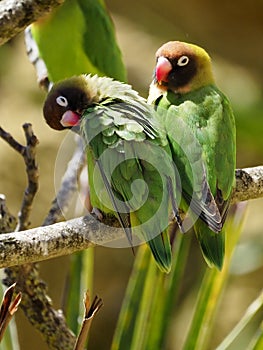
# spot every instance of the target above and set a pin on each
(161, 249)
(212, 244)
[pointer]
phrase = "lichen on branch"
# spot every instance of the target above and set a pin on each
(16, 15)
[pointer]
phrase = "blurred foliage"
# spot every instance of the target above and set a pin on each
(232, 30)
(249, 123)
(232, 33)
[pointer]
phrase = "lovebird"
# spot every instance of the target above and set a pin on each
(200, 127)
(130, 168)
(78, 37)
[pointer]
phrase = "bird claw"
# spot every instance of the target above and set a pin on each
(97, 213)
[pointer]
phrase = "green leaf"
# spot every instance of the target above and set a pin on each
(80, 279)
(167, 292)
(257, 341)
(147, 307)
(252, 310)
(212, 288)
(130, 307)
(73, 290)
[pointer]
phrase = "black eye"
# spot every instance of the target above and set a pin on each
(62, 101)
(183, 61)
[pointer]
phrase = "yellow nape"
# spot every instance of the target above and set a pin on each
(204, 75)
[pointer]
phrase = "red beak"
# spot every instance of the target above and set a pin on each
(70, 118)
(162, 69)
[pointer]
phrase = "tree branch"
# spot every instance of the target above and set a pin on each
(21, 250)
(16, 15)
(38, 308)
(56, 240)
(64, 238)
(8, 221)
(36, 304)
(249, 184)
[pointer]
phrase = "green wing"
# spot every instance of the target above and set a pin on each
(79, 37)
(122, 137)
(188, 159)
(201, 131)
(99, 37)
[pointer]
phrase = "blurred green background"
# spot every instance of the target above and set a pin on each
(232, 33)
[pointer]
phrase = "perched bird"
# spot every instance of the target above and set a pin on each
(200, 128)
(130, 168)
(77, 37)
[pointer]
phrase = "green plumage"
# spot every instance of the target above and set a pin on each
(129, 164)
(201, 131)
(79, 37)
(130, 168)
(200, 128)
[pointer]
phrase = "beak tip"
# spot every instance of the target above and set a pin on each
(163, 68)
(70, 119)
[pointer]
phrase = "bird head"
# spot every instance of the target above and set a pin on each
(182, 67)
(66, 102)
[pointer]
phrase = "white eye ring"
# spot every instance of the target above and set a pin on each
(183, 61)
(62, 101)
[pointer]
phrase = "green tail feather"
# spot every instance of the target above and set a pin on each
(212, 244)
(161, 250)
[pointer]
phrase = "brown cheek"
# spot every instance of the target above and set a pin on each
(55, 124)
(52, 118)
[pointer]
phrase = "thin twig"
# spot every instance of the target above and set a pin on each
(68, 185)
(11, 141)
(36, 60)
(8, 308)
(28, 153)
(90, 311)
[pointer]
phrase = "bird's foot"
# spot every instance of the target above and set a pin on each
(97, 213)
